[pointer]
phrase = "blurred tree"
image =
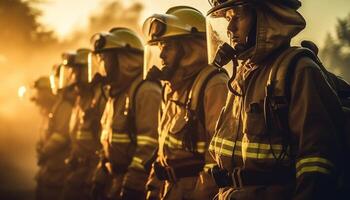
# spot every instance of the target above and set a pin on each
(336, 52)
(20, 28)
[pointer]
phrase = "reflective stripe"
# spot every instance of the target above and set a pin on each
(177, 144)
(313, 165)
(208, 166)
(84, 135)
(137, 163)
(313, 169)
(146, 140)
(120, 138)
(58, 137)
(224, 147)
(313, 160)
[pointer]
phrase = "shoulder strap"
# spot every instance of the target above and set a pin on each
(283, 68)
(135, 86)
(278, 93)
(197, 90)
(196, 95)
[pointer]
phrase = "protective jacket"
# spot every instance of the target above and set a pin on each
(261, 163)
(129, 133)
(55, 149)
(85, 141)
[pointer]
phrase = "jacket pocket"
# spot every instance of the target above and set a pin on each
(253, 120)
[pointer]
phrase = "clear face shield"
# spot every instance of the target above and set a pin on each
(223, 45)
(54, 78)
(152, 60)
(159, 53)
(95, 67)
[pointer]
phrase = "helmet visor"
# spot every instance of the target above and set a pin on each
(216, 36)
(95, 66)
(54, 78)
(152, 58)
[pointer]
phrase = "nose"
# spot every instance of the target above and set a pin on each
(162, 54)
(231, 28)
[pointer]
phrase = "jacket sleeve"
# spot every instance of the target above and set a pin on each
(148, 100)
(314, 121)
(59, 130)
(214, 100)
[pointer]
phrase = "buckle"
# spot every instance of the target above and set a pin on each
(171, 176)
(237, 178)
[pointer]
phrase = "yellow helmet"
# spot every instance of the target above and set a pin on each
(74, 68)
(117, 38)
(42, 82)
(177, 21)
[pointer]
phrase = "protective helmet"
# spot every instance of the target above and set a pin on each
(116, 38)
(74, 68)
(42, 83)
(40, 90)
(177, 22)
(217, 24)
(219, 4)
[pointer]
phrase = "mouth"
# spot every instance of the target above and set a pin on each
(235, 39)
(164, 63)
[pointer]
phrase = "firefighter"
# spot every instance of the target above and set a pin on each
(193, 96)
(84, 127)
(56, 142)
(129, 122)
(44, 98)
(277, 137)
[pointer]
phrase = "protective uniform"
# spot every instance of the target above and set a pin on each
(185, 128)
(55, 147)
(254, 161)
(129, 122)
(43, 97)
(84, 130)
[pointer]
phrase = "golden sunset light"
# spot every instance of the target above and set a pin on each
(34, 34)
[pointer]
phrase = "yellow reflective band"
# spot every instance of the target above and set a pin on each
(118, 140)
(256, 155)
(314, 160)
(137, 163)
(262, 146)
(58, 137)
(174, 140)
(200, 144)
(221, 141)
(225, 147)
(120, 135)
(144, 140)
(311, 169)
(84, 135)
(209, 166)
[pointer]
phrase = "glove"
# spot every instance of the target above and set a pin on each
(130, 194)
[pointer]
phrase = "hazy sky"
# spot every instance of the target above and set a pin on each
(65, 15)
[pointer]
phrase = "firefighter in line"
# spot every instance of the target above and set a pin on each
(129, 122)
(193, 96)
(56, 142)
(84, 125)
(278, 136)
(41, 94)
